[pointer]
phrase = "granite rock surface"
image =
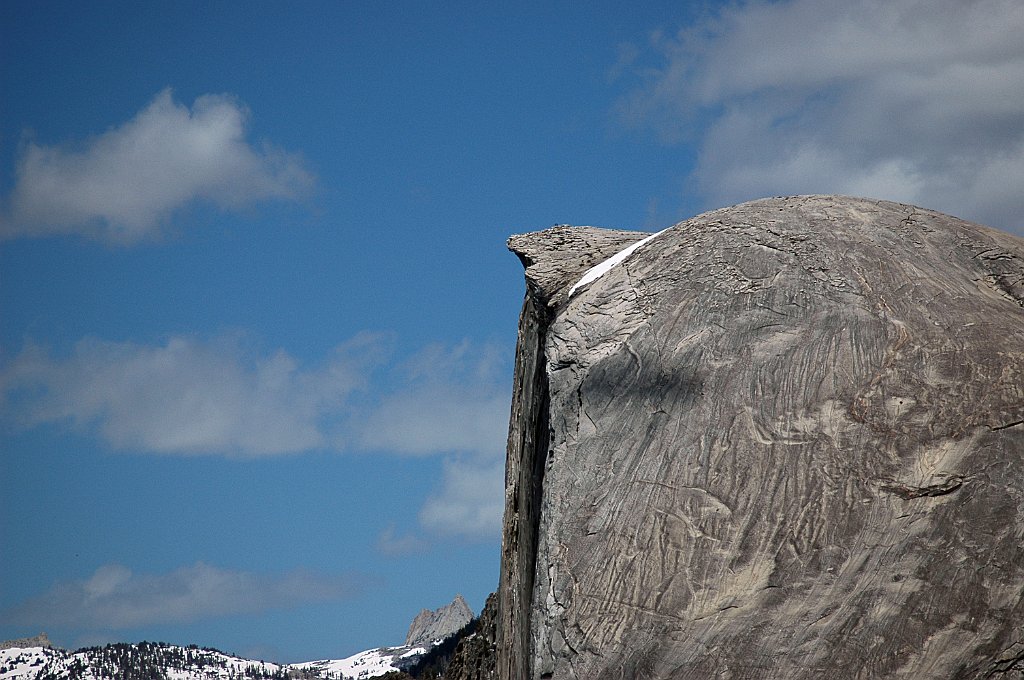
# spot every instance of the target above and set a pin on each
(779, 440)
(474, 657)
(431, 626)
(41, 640)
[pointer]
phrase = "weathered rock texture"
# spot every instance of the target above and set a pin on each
(41, 640)
(781, 440)
(430, 626)
(475, 655)
(553, 263)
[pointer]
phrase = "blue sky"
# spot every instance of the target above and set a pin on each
(257, 319)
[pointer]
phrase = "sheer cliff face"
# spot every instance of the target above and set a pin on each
(780, 440)
(553, 263)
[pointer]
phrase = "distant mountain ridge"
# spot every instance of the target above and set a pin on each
(161, 661)
(35, 659)
(136, 661)
(40, 640)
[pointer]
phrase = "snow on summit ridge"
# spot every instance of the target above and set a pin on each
(35, 659)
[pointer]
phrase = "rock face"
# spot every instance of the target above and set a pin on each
(430, 626)
(779, 440)
(475, 655)
(41, 640)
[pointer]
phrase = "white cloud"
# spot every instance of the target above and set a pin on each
(186, 396)
(193, 396)
(471, 500)
(115, 598)
(913, 100)
(392, 544)
(451, 399)
(124, 184)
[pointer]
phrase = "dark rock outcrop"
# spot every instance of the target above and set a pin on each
(780, 440)
(41, 640)
(475, 656)
(429, 627)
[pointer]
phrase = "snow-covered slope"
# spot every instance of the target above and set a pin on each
(368, 664)
(144, 660)
(161, 661)
(25, 662)
(147, 660)
(427, 630)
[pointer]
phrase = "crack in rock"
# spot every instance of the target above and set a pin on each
(930, 491)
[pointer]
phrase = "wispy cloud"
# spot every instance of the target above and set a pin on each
(116, 598)
(218, 396)
(450, 399)
(123, 184)
(392, 544)
(914, 100)
(471, 499)
(187, 396)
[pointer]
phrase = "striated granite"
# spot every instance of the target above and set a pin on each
(780, 440)
(431, 626)
(554, 260)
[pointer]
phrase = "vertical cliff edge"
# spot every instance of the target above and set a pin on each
(779, 440)
(554, 260)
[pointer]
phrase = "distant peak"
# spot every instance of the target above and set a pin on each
(431, 626)
(41, 640)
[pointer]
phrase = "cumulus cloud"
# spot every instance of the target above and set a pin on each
(115, 598)
(187, 396)
(913, 100)
(124, 184)
(450, 399)
(471, 500)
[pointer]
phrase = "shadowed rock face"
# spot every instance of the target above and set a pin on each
(474, 657)
(780, 440)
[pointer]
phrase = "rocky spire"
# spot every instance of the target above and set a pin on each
(430, 626)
